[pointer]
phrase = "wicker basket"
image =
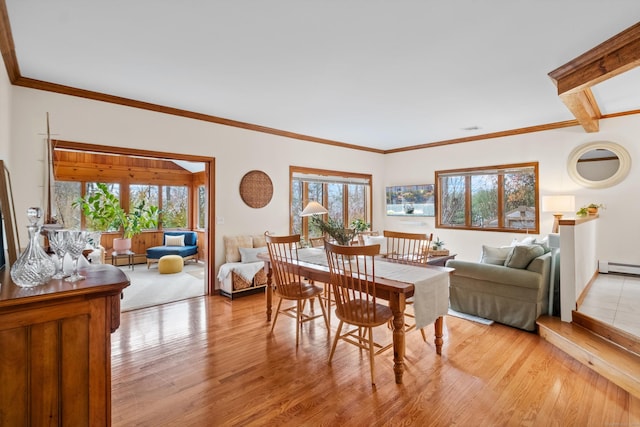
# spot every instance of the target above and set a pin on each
(240, 283)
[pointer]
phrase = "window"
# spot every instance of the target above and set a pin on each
(147, 194)
(347, 196)
(174, 210)
(90, 188)
(65, 193)
(202, 207)
(494, 198)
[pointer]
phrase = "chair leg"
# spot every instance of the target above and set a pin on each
(327, 297)
(371, 356)
(335, 341)
(275, 317)
(325, 315)
(298, 320)
(424, 335)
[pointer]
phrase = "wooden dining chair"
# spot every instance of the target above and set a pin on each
(352, 275)
(408, 248)
(289, 284)
(316, 242)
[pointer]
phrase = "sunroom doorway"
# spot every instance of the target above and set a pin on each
(181, 184)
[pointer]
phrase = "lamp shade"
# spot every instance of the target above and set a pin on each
(558, 203)
(314, 208)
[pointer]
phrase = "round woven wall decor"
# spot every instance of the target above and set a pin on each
(256, 189)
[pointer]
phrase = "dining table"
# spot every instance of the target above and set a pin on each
(395, 282)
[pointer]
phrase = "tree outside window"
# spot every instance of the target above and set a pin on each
(147, 194)
(175, 210)
(202, 207)
(65, 193)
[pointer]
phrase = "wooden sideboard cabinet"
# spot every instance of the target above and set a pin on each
(55, 349)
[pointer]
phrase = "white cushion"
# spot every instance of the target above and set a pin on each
(174, 240)
(250, 254)
(377, 240)
(495, 256)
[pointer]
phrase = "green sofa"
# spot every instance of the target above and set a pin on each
(512, 296)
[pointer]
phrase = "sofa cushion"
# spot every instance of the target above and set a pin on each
(259, 240)
(158, 252)
(231, 245)
(250, 254)
(174, 240)
(190, 237)
(521, 255)
(496, 256)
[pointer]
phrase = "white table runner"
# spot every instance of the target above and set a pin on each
(431, 295)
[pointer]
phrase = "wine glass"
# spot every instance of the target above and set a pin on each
(75, 242)
(58, 245)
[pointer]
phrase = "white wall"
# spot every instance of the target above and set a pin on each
(618, 232)
(5, 114)
(236, 151)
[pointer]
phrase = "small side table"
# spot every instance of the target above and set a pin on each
(128, 253)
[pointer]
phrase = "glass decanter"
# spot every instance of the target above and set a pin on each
(33, 267)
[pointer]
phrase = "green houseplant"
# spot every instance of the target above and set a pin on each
(103, 208)
(334, 229)
(359, 225)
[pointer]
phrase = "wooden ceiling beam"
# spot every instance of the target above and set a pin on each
(584, 107)
(574, 79)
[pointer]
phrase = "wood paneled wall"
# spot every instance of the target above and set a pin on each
(93, 167)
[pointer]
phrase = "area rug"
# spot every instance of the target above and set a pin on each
(470, 317)
(149, 288)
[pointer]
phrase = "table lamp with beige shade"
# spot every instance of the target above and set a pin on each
(558, 204)
(314, 208)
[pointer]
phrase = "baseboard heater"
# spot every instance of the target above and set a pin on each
(615, 267)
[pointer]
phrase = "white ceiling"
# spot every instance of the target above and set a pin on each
(380, 74)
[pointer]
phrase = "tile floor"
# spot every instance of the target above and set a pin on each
(615, 299)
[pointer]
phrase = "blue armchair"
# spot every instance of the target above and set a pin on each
(183, 243)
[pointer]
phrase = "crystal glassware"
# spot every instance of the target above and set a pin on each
(33, 267)
(75, 242)
(59, 247)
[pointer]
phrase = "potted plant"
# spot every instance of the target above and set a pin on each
(592, 208)
(103, 208)
(582, 211)
(360, 226)
(437, 244)
(335, 229)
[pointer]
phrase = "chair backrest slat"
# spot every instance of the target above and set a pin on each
(352, 272)
(408, 248)
(283, 252)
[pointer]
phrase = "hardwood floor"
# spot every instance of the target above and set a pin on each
(209, 361)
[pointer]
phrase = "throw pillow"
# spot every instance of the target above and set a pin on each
(522, 255)
(259, 240)
(496, 256)
(174, 240)
(250, 254)
(231, 245)
(376, 240)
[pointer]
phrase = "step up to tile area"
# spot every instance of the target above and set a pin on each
(617, 364)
